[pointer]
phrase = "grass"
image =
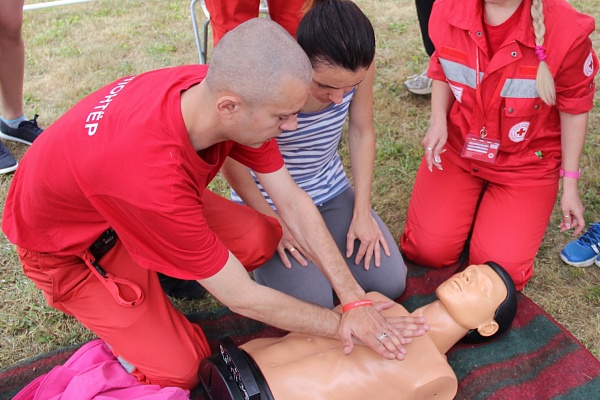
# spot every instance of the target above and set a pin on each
(75, 49)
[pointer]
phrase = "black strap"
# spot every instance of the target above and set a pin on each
(231, 374)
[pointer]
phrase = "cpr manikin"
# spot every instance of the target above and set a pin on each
(478, 303)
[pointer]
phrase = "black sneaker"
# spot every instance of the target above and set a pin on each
(26, 132)
(7, 161)
(181, 289)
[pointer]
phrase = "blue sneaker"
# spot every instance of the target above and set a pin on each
(26, 132)
(584, 251)
(7, 161)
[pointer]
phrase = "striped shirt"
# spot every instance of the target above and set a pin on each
(311, 153)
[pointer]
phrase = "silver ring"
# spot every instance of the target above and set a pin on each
(292, 249)
(430, 149)
(382, 336)
(567, 216)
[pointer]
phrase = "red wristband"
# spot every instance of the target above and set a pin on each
(570, 174)
(355, 304)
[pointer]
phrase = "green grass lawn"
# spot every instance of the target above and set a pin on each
(73, 50)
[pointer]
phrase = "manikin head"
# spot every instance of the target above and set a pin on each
(482, 298)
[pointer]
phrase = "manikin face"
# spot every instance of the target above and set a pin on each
(260, 123)
(330, 83)
(472, 296)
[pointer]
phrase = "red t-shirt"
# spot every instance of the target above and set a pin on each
(122, 158)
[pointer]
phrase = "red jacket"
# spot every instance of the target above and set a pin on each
(515, 114)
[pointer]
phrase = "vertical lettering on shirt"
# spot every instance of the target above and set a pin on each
(102, 105)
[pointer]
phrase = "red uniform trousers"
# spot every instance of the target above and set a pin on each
(161, 345)
(227, 14)
(508, 226)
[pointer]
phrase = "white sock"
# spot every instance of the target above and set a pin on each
(14, 123)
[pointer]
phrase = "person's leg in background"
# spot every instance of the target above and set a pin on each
(510, 225)
(421, 83)
(440, 215)
(227, 14)
(286, 13)
(13, 123)
(423, 12)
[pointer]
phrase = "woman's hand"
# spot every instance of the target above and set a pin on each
(433, 143)
(365, 229)
(572, 207)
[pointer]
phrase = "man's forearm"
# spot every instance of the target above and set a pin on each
(285, 312)
(306, 224)
(233, 287)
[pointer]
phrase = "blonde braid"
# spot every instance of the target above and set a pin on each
(544, 82)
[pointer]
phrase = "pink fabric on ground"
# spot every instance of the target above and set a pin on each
(93, 372)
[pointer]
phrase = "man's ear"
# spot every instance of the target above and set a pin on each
(488, 329)
(228, 105)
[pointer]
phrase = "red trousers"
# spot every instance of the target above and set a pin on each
(227, 14)
(508, 225)
(159, 343)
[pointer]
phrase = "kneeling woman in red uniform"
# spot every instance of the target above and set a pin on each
(513, 86)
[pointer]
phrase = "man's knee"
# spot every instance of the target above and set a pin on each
(260, 243)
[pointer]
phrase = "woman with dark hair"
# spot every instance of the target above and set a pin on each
(480, 300)
(340, 43)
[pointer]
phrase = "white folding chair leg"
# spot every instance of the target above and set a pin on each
(202, 46)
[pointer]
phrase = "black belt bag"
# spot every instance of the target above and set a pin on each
(103, 244)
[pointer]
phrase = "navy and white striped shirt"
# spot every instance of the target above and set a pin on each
(311, 153)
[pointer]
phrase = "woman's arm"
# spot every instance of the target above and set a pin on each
(437, 134)
(361, 140)
(573, 133)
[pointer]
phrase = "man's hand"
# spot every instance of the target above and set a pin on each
(406, 326)
(291, 245)
(369, 328)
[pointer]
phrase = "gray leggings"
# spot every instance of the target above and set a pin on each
(309, 284)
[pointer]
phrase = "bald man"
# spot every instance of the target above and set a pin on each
(115, 192)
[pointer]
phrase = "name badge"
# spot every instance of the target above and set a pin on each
(485, 150)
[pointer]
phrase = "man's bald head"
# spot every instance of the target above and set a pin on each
(254, 59)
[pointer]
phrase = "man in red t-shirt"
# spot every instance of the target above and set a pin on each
(115, 191)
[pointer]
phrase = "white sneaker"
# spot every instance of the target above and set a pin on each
(419, 84)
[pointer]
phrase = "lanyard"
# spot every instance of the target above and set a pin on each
(495, 97)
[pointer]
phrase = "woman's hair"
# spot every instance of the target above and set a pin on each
(544, 82)
(338, 33)
(506, 311)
